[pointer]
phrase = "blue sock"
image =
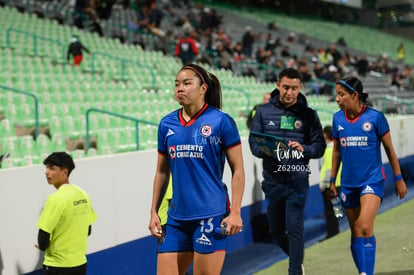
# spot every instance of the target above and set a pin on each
(358, 253)
(370, 246)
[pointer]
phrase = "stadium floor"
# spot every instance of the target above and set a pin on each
(258, 256)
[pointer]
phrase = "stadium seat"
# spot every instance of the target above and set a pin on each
(58, 142)
(44, 144)
(11, 145)
(77, 154)
(7, 128)
(27, 145)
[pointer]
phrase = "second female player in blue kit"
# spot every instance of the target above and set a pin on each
(193, 144)
(358, 132)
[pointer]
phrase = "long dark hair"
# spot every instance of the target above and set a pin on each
(213, 93)
(353, 85)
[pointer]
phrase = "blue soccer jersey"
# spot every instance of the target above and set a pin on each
(196, 153)
(360, 146)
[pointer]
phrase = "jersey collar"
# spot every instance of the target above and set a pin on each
(193, 119)
(358, 116)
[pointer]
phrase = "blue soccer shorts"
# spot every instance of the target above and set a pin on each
(193, 235)
(350, 196)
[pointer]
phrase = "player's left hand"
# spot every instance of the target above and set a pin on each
(234, 224)
(400, 189)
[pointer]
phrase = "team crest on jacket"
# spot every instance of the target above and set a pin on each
(206, 130)
(298, 124)
(367, 126)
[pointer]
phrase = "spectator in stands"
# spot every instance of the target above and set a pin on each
(215, 19)
(104, 9)
(362, 65)
(406, 71)
(193, 144)
(285, 51)
(80, 6)
(186, 26)
(261, 55)
(411, 81)
(225, 54)
(291, 37)
(238, 52)
(343, 65)
(142, 21)
(303, 39)
(287, 115)
(271, 26)
(75, 50)
(318, 69)
(325, 56)
(305, 69)
(330, 76)
(401, 53)
(222, 36)
(396, 82)
(248, 41)
(155, 16)
(336, 55)
(66, 220)
(270, 43)
(362, 177)
(186, 49)
(332, 223)
(209, 20)
(87, 10)
(341, 41)
(292, 62)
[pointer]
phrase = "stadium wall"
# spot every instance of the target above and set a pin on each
(121, 189)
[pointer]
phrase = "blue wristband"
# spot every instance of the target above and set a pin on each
(332, 180)
(398, 177)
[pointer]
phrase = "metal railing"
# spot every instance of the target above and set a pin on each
(130, 31)
(35, 37)
(136, 120)
(36, 104)
(397, 100)
(123, 62)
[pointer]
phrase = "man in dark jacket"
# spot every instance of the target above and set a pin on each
(286, 171)
(186, 49)
(75, 49)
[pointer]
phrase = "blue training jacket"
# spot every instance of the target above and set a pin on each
(306, 130)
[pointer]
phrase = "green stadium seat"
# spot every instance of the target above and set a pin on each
(7, 128)
(44, 144)
(58, 142)
(92, 152)
(11, 145)
(77, 154)
(72, 127)
(11, 162)
(29, 159)
(27, 145)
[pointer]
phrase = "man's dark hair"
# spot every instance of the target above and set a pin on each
(60, 159)
(290, 73)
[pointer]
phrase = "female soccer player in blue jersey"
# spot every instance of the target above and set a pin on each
(193, 143)
(358, 132)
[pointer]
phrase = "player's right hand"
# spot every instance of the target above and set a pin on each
(155, 226)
